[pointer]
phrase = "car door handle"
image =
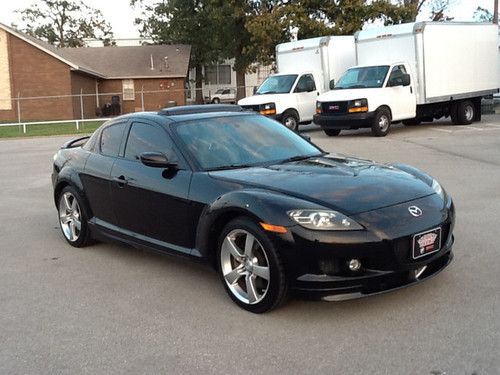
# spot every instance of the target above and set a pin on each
(121, 181)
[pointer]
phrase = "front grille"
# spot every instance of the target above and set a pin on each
(334, 108)
(255, 108)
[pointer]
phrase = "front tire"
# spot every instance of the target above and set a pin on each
(290, 120)
(381, 122)
(332, 132)
(215, 101)
(73, 218)
(250, 267)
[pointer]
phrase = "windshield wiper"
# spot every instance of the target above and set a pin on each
(298, 158)
(267, 92)
(230, 166)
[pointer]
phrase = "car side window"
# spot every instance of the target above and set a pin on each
(148, 138)
(396, 75)
(111, 139)
(305, 84)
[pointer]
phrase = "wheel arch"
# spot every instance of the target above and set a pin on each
(384, 106)
(68, 177)
(292, 110)
(256, 204)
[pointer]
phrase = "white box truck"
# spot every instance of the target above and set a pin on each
(305, 70)
(413, 73)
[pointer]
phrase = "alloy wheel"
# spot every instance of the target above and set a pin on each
(70, 217)
(245, 266)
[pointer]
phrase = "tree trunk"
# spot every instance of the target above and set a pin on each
(199, 84)
(241, 84)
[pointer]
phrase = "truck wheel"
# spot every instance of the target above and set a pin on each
(381, 123)
(465, 113)
(215, 100)
(411, 122)
(290, 120)
(332, 132)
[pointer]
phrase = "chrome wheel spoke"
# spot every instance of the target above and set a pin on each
(72, 229)
(233, 276)
(67, 204)
(261, 271)
(230, 246)
(64, 218)
(251, 289)
(249, 241)
(77, 224)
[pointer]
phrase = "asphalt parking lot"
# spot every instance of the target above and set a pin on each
(114, 309)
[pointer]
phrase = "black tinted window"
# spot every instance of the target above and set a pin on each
(228, 142)
(305, 84)
(147, 138)
(111, 139)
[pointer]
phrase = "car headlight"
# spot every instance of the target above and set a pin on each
(358, 105)
(268, 109)
(438, 189)
(323, 220)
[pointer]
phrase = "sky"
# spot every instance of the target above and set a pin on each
(121, 15)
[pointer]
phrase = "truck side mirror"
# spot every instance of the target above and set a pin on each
(332, 84)
(310, 86)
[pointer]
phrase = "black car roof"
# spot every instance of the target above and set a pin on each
(185, 113)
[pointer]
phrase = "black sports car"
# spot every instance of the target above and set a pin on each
(271, 211)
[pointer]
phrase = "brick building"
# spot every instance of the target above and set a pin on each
(85, 79)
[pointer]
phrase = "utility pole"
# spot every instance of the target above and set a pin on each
(495, 12)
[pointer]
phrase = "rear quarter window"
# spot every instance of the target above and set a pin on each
(111, 139)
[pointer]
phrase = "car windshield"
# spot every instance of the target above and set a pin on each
(277, 84)
(240, 141)
(363, 77)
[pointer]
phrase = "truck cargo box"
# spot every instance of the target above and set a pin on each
(449, 60)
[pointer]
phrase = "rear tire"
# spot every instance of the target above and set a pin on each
(332, 132)
(465, 113)
(73, 217)
(250, 267)
(381, 122)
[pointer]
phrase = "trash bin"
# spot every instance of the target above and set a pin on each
(116, 108)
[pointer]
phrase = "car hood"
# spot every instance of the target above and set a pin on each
(348, 185)
(348, 94)
(260, 99)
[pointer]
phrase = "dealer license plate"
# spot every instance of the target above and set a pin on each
(426, 242)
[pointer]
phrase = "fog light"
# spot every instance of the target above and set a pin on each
(354, 265)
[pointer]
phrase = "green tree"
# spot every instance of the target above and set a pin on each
(483, 15)
(184, 22)
(64, 23)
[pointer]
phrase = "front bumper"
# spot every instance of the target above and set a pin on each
(317, 262)
(344, 121)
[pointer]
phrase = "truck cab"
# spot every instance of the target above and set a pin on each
(368, 96)
(287, 97)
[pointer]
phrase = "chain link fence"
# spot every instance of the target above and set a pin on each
(81, 112)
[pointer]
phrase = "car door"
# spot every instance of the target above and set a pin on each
(403, 99)
(96, 178)
(151, 203)
(306, 95)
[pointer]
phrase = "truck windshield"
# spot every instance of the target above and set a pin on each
(277, 84)
(363, 77)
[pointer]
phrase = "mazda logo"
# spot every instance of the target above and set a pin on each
(415, 211)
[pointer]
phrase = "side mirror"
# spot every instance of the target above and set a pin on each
(254, 90)
(310, 86)
(406, 80)
(332, 84)
(156, 160)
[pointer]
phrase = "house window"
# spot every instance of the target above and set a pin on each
(128, 89)
(218, 74)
